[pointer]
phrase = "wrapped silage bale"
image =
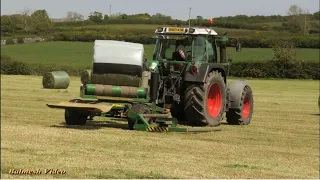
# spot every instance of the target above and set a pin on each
(117, 63)
(86, 77)
(116, 80)
(56, 80)
(319, 103)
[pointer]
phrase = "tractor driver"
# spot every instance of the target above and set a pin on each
(182, 46)
(180, 53)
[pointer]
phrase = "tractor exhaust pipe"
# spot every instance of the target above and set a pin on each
(223, 52)
(154, 86)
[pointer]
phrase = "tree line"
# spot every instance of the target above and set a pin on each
(296, 21)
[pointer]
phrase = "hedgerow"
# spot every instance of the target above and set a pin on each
(14, 67)
(277, 69)
(146, 38)
(268, 69)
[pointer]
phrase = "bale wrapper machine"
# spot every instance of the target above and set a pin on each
(183, 84)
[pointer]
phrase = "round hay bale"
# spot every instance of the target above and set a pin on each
(56, 80)
(86, 77)
(319, 103)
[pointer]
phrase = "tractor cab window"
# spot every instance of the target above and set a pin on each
(168, 48)
(212, 51)
(199, 48)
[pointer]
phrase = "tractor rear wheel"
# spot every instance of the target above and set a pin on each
(204, 104)
(243, 114)
(74, 117)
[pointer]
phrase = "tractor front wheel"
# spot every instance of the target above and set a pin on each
(74, 117)
(205, 103)
(243, 114)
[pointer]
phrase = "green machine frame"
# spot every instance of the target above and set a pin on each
(122, 107)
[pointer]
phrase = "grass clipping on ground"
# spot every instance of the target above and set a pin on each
(115, 80)
(56, 80)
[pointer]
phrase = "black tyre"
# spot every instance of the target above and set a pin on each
(138, 109)
(130, 124)
(177, 111)
(243, 114)
(204, 104)
(74, 117)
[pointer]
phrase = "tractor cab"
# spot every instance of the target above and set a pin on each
(191, 44)
(185, 44)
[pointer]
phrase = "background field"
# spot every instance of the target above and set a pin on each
(281, 142)
(150, 28)
(81, 53)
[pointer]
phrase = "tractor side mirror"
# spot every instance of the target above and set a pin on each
(238, 47)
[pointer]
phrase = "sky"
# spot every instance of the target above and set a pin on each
(178, 9)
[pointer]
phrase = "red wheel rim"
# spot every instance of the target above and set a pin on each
(214, 101)
(246, 108)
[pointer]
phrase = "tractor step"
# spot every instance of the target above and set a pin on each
(179, 129)
(165, 123)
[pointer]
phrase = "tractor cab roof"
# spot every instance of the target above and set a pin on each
(185, 31)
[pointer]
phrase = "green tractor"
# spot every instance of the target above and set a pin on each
(185, 83)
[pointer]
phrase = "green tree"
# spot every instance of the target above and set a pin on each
(13, 23)
(284, 50)
(295, 10)
(141, 16)
(316, 15)
(96, 17)
(40, 21)
(6, 24)
(74, 16)
(27, 20)
(124, 16)
(161, 16)
(199, 20)
(297, 18)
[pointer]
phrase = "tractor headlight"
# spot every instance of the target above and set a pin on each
(191, 30)
(159, 29)
(153, 66)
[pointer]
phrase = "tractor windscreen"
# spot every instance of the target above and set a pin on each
(170, 47)
(167, 47)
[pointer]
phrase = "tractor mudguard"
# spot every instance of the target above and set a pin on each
(235, 91)
(204, 70)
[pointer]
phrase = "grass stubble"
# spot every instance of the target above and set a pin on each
(281, 142)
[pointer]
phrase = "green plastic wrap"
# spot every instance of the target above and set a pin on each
(115, 91)
(56, 80)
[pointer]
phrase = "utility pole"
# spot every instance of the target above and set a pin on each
(189, 16)
(305, 22)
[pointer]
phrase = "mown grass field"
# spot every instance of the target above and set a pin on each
(81, 53)
(281, 142)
